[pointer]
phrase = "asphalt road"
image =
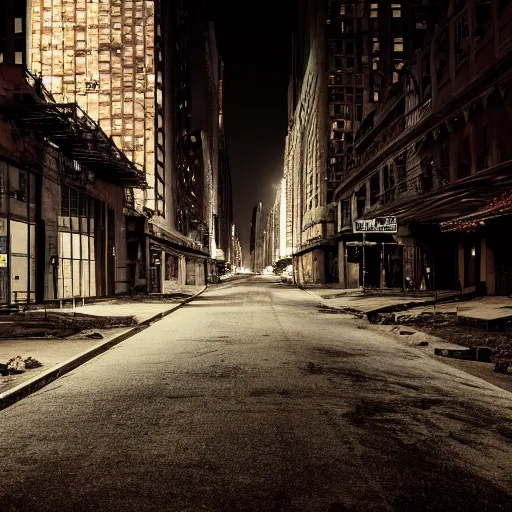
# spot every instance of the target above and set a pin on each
(252, 399)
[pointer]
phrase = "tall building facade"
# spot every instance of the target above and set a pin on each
(431, 159)
(130, 66)
(258, 238)
(348, 59)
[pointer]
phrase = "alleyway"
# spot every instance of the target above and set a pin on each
(251, 399)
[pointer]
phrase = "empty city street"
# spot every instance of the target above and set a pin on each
(252, 398)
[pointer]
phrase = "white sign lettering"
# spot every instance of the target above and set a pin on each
(377, 225)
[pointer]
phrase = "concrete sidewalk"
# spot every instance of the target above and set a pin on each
(358, 302)
(60, 356)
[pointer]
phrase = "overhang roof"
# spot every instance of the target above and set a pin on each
(69, 128)
(461, 198)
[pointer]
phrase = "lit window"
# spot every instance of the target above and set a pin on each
(1, 57)
(18, 25)
(397, 10)
(18, 58)
(374, 13)
(395, 77)
(342, 10)
(375, 95)
(398, 45)
(399, 65)
(375, 64)
(375, 46)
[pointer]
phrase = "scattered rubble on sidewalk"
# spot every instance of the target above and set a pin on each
(495, 346)
(17, 365)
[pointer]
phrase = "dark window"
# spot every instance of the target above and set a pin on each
(483, 19)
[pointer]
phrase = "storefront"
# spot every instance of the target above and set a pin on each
(75, 275)
(17, 235)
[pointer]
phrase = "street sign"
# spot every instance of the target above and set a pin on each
(377, 225)
(360, 244)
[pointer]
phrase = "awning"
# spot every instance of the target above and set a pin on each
(498, 207)
(178, 249)
(67, 126)
(463, 197)
(78, 137)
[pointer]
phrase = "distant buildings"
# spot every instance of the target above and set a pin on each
(400, 110)
(113, 169)
(258, 238)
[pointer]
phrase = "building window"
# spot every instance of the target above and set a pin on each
(461, 38)
(483, 19)
(503, 5)
(18, 25)
(77, 261)
(396, 10)
(395, 77)
(374, 10)
(376, 96)
(375, 45)
(398, 44)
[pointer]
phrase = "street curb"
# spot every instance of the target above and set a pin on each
(25, 389)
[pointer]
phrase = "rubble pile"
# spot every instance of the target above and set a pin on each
(17, 365)
(447, 327)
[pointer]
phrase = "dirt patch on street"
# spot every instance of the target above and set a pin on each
(56, 325)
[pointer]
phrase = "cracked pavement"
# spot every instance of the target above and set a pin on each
(251, 399)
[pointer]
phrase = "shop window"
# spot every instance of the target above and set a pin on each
(483, 19)
(77, 262)
(503, 4)
(461, 38)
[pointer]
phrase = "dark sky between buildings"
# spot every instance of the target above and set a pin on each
(254, 40)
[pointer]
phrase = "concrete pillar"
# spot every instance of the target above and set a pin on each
(473, 146)
(490, 276)
(454, 156)
(461, 264)
(162, 273)
(341, 265)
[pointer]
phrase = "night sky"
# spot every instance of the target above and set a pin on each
(256, 48)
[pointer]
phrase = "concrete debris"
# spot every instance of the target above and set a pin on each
(482, 354)
(94, 336)
(31, 363)
(503, 367)
(18, 365)
(407, 333)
